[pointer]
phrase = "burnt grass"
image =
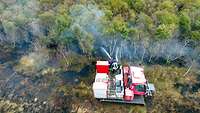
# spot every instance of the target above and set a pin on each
(70, 90)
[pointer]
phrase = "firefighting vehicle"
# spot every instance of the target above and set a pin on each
(120, 83)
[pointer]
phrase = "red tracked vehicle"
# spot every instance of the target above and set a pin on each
(122, 84)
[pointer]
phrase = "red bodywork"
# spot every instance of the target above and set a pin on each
(126, 71)
(102, 68)
(132, 87)
(128, 76)
(128, 96)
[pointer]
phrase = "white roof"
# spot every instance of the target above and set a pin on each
(102, 63)
(101, 77)
(99, 85)
(100, 90)
(137, 74)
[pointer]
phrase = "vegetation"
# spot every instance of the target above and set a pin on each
(174, 93)
(169, 92)
(10, 107)
(45, 38)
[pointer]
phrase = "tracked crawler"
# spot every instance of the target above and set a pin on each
(120, 83)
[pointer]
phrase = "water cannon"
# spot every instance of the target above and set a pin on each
(114, 62)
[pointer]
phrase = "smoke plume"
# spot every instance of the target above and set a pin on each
(89, 19)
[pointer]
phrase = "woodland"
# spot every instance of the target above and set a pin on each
(48, 51)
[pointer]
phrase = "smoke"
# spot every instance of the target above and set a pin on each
(16, 20)
(88, 18)
(20, 27)
(33, 62)
(19, 20)
(147, 51)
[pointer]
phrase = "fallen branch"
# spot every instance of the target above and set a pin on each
(188, 69)
(65, 58)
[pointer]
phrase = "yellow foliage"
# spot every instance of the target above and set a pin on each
(28, 62)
